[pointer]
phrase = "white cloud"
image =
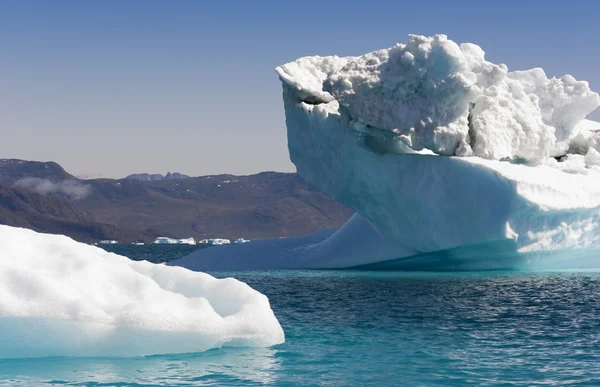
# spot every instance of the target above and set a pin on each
(73, 189)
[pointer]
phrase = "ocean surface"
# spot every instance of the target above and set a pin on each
(377, 328)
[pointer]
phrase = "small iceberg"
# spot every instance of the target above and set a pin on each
(165, 241)
(59, 297)
(215, 242)
(170, 241)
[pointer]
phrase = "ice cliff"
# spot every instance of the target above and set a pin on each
(450, 161)
(63, 298)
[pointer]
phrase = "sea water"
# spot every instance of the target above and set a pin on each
(378, 328)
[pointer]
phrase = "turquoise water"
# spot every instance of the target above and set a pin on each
(367, 328)
(154, 253)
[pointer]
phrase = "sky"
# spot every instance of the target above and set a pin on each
(110, 88)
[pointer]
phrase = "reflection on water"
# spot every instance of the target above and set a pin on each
(238, 366)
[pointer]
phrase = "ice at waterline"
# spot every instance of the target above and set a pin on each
(450, 161)
(63, 298)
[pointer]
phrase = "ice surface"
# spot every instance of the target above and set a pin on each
(356, 243)
(63, 298)
(433, 93)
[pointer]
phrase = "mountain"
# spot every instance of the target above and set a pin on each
(265, 205)
(13, 169)
(57, 215)
(156, 177)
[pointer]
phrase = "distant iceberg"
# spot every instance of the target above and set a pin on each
(215, 242)
(171, 241)
(450, 161)
(63, 298)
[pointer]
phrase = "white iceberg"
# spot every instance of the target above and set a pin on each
(450, 161)
(165, 241)
(432, 93)
(186, 241)
(63, 298)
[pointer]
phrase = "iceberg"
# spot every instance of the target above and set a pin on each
(59, 297)
(450, 161)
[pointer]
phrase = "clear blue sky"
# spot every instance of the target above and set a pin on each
(115, 87)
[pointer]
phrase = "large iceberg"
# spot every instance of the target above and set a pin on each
(63, 298)
(450, 161)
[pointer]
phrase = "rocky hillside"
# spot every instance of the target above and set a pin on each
(44, 197)
(156, 176)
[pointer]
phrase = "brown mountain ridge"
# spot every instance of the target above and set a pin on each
(44, 197)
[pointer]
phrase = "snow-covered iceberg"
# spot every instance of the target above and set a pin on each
(63, 298)
(450, 161)
(432, 93)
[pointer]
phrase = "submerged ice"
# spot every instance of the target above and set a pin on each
(450, 161)
(63, 298)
